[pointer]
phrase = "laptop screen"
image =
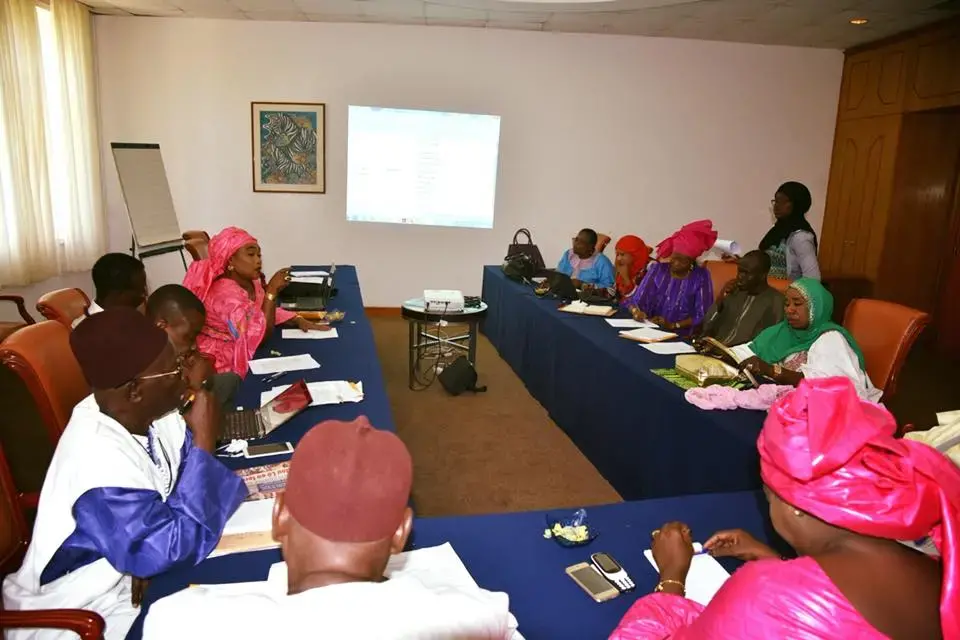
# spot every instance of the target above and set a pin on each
(289, 403)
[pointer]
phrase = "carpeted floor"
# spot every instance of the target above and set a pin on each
(499, 451)
(491, 452)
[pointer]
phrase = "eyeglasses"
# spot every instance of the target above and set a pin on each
(153, 376)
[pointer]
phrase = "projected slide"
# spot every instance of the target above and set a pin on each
(422, 167)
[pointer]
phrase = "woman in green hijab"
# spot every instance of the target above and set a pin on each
(807, 344)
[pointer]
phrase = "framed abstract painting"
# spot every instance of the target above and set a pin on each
(288, 147)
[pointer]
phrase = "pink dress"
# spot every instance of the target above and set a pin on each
(235, 325)
(764, 599)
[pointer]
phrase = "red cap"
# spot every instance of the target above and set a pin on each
(349, 482)
(115, 346)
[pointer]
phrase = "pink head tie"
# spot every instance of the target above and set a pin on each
(202, 273)
(827, 452)
(692, 240)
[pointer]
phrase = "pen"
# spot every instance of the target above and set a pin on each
(187, 404)
(275, 376)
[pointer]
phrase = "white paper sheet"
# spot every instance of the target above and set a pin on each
(308, 274)
(297, 334)
(326, 392)
(308, 279)
(438, 566)
(629, 323)
(250, 517)
(284, 363)
(648, 334)
(705, 578)
(669, 348)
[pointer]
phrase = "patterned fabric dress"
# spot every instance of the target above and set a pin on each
(674, 299)
(778, 260)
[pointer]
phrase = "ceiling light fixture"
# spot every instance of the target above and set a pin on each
(859, 21)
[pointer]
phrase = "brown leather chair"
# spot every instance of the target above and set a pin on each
(14, 536)
(41, 356)
(63, 305)
(885, 332)
(7, 328)
(780, 284)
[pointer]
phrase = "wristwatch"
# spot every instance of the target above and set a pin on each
(777, 371)
(271, 296)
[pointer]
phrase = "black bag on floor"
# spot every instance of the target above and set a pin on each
(460, 376)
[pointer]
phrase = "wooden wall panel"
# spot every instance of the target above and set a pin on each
(934, 71)
(874, 82)
(921, 209)
(858, 196)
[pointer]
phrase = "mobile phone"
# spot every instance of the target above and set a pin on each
(267, 449)
(590, 580)
(612, 571)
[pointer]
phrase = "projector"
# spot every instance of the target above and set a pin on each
(443, 300)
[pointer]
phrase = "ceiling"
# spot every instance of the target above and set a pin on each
(807, 23)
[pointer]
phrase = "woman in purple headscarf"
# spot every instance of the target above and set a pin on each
(241, 312)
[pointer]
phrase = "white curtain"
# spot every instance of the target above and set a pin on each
(51, 214)
(82, 228)
(28, 242)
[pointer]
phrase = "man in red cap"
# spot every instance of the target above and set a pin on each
(344, 513)
(130, 491)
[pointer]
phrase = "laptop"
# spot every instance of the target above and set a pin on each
(562, 286)
(308, 296)
(253, 424)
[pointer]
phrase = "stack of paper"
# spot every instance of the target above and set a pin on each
(313, 334)
(248, 529)
(705, 578)
(285, 363)
(327, 392)
(647, 334)
(668, 348)
(629, 323)
(580, 307)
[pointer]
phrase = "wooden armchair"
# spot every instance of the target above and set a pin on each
(6, 327)
(14, 536)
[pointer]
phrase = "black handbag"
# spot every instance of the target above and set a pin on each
(519, 267)
(527, 248)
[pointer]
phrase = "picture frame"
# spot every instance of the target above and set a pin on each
(288, 142)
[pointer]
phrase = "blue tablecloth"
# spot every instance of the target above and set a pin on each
(635, 427)
(352, 356)
(507, 552)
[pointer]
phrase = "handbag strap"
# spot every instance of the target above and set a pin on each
(525, 232)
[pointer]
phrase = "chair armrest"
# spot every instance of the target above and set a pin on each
(29, 500)
(86, 624)
(21, 307)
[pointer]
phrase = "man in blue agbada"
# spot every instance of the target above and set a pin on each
(132, 489)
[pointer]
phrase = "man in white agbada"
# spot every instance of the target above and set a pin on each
(344, 513)
(130, 491)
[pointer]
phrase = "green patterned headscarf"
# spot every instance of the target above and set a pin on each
(781, 340)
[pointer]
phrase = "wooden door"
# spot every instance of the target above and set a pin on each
(918, 236)
(947, 318)
(858, 196)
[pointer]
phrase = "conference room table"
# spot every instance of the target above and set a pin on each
(508, 553)
(351, 356)
(635, 427)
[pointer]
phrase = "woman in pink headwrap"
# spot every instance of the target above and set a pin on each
(676, 292)
(241, 312)
(842, 492)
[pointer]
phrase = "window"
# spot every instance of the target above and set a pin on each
(57, 158)
(51, 216)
